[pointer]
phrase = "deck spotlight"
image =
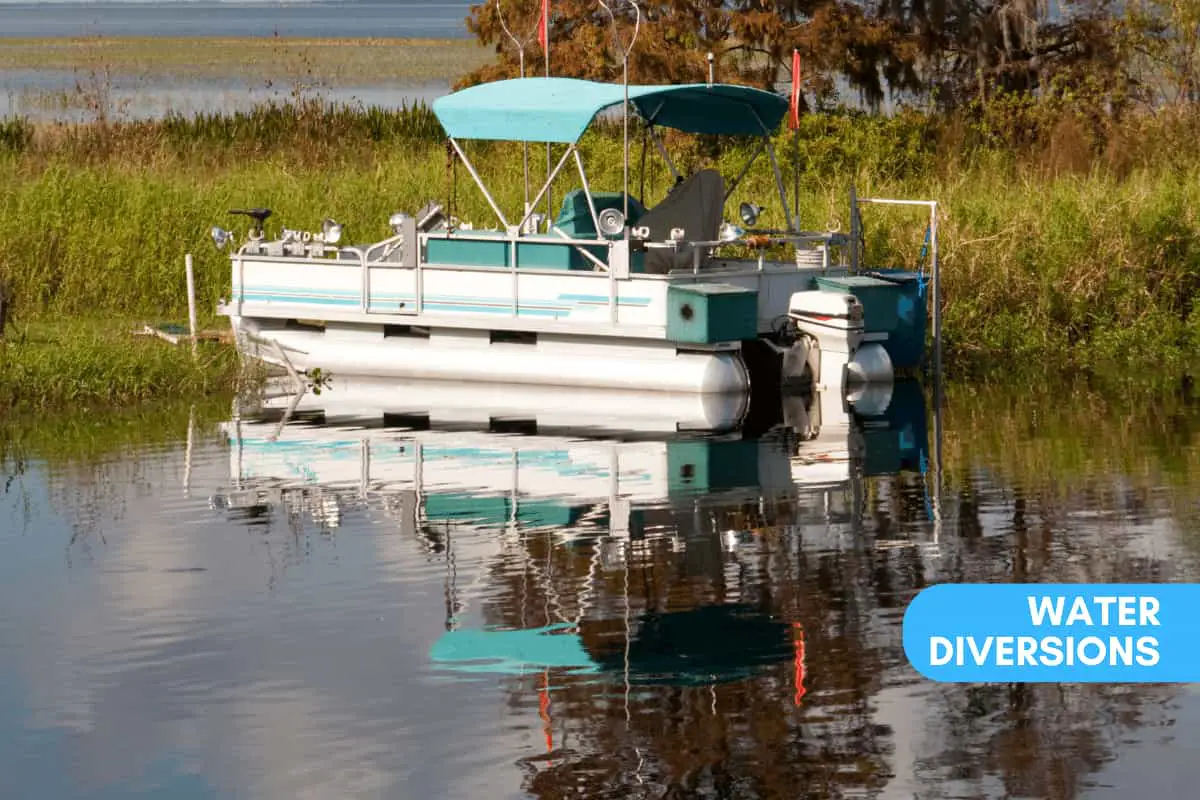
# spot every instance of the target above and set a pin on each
(749, 213)
(397, 221)
(220, 236)
(612, 221)
(332, 231)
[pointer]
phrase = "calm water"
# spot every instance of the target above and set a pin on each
(323, 601)
(26, 92)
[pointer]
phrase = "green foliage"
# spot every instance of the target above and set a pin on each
(1060, 242)
(15, 134)
(93, 362)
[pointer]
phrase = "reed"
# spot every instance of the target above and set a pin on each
(1061, 243)
(83, 363)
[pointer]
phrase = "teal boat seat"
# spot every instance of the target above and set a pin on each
(575, 218)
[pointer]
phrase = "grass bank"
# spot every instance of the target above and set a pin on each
(84, 363)
(1065, 241)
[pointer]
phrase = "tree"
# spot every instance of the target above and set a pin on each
(947, 52)
(751, 40)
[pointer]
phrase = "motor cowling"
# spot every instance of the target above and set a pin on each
(830, 347)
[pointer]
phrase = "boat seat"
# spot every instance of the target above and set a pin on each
(696, 205)
(575, 218)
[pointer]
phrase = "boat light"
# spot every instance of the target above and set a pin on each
(612, 221)
(220, 236)
(749, 213)
(729, 232)
(332, 231)
(397, 221)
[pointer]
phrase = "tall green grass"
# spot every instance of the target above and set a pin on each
(89, 362)
(1065, 241)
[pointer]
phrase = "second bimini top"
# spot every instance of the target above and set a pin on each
(560, 109)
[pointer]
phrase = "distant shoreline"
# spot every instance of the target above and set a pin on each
(343, 19)
(340, 61)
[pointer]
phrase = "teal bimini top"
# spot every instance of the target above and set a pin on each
(560, 109)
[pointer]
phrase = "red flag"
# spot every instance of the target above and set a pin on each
(798, 662)
(794, 104)
(544, 27)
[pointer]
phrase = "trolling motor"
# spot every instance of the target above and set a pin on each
(222, 237)
(259, 215)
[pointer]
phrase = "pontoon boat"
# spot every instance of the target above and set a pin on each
(608, 294)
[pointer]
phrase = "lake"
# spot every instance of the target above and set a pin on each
(395, 592)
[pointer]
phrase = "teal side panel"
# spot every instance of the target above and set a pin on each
(555, 255)
(894, 305)
(496, 510)
(706, 313)
(467, 508)
(468, 253)
(707, 465)
(546, 513)
(907, 342)
(550, 253)
(897, 440)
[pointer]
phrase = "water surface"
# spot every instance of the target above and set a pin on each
(313, 599)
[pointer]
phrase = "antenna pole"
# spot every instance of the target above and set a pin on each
(796, 148)
(625, 51)
(625, 144)
(524, 145)
(549, 164)
(521, 59)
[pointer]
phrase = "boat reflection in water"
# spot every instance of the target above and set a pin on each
(594, 539)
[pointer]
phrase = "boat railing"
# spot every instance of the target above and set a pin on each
(934, 264)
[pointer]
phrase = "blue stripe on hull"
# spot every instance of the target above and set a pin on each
(340, 298)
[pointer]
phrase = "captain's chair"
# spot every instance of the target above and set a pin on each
(694, 205)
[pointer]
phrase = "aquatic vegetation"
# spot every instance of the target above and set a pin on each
(90, 362)
(65, 436)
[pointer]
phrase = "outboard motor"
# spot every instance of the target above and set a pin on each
(830, 349)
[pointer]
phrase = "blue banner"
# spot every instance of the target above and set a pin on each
(1055, 633)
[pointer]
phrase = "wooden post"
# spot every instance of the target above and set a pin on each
(191, 296)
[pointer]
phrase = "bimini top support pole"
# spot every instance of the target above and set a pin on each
(479, 182)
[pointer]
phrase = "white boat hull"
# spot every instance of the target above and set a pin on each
(471, 355)
(367, 400)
